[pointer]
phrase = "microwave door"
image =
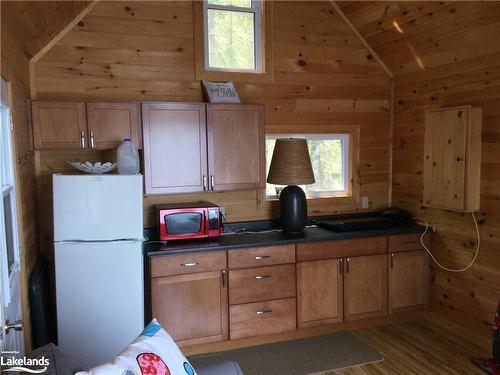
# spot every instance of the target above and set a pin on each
(185, 225)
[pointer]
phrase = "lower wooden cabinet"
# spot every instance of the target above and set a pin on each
(262, 318)
(261, 284)
(264, 292)
(408, 280)
(365, 287)
(192, 307)
(319, 292)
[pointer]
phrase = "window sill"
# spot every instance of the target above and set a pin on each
(271, 198)
(219, 75)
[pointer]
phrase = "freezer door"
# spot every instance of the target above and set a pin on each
(100, 298)
(97, 207)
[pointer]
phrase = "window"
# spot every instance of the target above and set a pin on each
(9, 252)
(233, 35)
(330, 162)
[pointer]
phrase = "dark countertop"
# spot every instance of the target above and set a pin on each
(273, 237)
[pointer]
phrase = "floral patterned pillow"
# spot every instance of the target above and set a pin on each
(152, 353)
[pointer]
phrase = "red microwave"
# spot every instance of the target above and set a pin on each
(181, 221)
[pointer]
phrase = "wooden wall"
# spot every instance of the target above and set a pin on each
(27, 26)
(323, 80)
(445, 54)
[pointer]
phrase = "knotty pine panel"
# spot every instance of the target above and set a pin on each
(324, 80)
(444, 54)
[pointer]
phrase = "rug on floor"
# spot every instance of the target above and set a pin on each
(311, 355)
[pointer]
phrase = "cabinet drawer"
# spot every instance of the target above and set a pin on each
(341, 248)
(261, 284)
(187, 263)
(262, 318)
(261, 256)
(405, 242)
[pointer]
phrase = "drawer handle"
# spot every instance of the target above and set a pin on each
(260, 277)
(191, 264)
(260, 257)
(262, 312)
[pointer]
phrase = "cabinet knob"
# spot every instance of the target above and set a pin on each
(212, 181)
(204, 183)
(392, 260)
(347, 265)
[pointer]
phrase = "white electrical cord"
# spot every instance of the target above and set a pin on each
(435, 260)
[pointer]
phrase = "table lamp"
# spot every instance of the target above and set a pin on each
(291, 165)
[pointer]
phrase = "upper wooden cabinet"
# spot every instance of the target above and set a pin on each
(452, 158)
(59, 124)
(194, 147)
(236, 146)
(94, 125)
(110, 123)
(175, 147)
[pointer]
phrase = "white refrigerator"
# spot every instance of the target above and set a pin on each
(98, 234)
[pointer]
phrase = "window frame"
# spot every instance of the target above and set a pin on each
(265, 76)
(256, 9)
(8, 189)
(347, 162)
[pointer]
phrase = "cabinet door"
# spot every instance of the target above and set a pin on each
(365, 287)
(110, 123)
(445, 157)
(236, 146)
(59, 125)
(193, 308)
(407, 281)
(175, 147)
(319, 292)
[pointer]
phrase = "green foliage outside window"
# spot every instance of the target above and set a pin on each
(231, 43)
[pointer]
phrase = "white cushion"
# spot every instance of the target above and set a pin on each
(152, 353)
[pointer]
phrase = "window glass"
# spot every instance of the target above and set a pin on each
(329, 159)
(231, 39)
(9, 238)
(234, 3)
(233, 35)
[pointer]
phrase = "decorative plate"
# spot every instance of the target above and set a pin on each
(94, 168)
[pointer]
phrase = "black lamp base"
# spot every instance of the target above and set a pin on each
(293, 209)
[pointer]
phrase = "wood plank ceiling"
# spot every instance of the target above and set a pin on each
(38, 22)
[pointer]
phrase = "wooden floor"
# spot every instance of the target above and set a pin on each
(428, 346)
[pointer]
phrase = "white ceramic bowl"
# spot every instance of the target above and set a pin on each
(94, 168)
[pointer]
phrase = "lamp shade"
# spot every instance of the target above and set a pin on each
(291, 163)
